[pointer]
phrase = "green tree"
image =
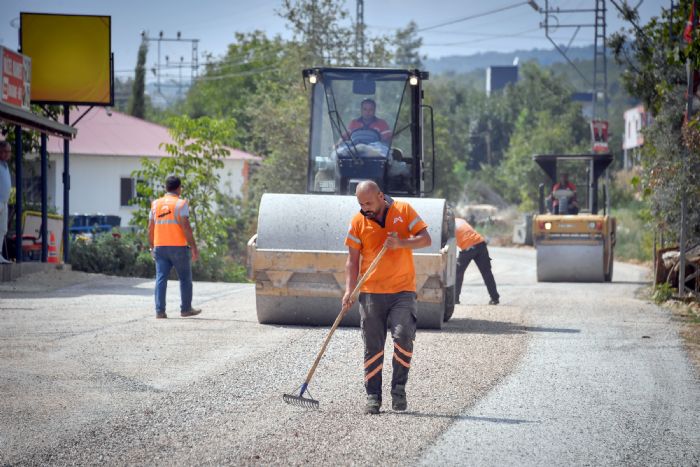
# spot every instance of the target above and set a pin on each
(325, 32)
(547, 122)
(541, 133)
(408, 45)
(281, 131)
(226, 85)
(195, 156)
(655, 72)
(137, 104)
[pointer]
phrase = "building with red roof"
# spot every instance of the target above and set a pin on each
(108, 147)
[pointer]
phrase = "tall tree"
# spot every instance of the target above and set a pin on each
(325, 31)
(655, 60)
(408, 44)
(137, 105)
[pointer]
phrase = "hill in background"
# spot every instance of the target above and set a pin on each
(460, 64)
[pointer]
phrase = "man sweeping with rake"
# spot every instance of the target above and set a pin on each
(388, 295)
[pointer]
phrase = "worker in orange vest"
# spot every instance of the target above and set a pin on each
(388, 296)
(172, 245)
(473, 247)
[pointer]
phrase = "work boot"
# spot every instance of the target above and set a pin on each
(190, 312)
(373, 404)
(161, 315)
(398, 398)
(493, 301)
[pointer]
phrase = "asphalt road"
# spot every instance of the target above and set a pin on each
(557, 374)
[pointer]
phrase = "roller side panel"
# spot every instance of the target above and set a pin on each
(322, 311)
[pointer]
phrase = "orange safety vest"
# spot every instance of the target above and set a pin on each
(167, 219)
(467, 237)
(395, 272)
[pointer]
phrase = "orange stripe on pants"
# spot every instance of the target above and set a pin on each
(398, 359)
(373, 372)
(408, 354)
(373, 359)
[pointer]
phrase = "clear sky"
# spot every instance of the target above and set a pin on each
(214, 22)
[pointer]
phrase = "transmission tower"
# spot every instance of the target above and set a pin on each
(194, 63)
(599, 81)
(360, 32)
(600, 64)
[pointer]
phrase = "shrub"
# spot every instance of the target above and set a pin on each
(128, 255)
(662, 292)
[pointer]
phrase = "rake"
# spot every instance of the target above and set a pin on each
(309, 402)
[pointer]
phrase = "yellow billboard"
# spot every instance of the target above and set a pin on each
(71, 58)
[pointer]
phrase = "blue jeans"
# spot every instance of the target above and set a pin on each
(180, 258)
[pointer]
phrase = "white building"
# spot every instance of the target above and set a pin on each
(636, 119)
(109, 146)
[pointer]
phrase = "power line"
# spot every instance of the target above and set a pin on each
(242, 73)
(478, 15)
(487, 37)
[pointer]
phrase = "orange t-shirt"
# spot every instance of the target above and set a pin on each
(467, 237)
(395, 271)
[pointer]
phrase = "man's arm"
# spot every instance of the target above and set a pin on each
(384, 130)
(151, 233)
(421, 240)
(352, 270)
(187, 229)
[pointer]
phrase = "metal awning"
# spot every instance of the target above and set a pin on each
(32, 121)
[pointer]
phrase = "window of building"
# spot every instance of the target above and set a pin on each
(127, 191)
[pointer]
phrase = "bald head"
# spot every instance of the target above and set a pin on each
(369, 187)
(371, 199)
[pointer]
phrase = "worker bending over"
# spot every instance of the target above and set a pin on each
(473, 247)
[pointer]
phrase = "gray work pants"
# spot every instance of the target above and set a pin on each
(379, 312)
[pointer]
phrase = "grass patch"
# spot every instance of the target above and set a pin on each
(634, 239)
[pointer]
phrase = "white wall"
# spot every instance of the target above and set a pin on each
(634, 123)
(96, 183)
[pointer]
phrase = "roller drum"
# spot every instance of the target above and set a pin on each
(320, 222)
(300, 224)
(571, 263)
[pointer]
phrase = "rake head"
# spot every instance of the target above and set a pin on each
(300, 400)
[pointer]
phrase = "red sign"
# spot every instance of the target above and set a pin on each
(599, 135)
(16, 72)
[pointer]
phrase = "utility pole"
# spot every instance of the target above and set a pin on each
(684, 188)
(360, 32)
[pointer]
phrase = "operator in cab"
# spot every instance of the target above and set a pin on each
(571, 202)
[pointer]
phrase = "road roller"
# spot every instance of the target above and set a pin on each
(297, 256)
(574, 243)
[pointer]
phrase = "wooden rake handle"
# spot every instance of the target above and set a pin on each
(342, 313)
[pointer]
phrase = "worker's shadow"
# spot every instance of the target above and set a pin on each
(482, 326)
(457, 417)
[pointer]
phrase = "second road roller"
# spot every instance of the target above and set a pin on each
(574, 242)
